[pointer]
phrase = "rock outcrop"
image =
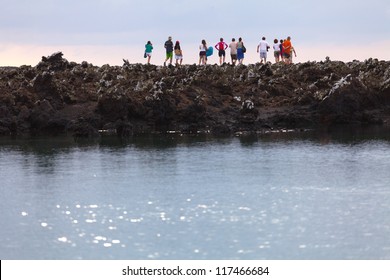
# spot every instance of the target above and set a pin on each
(58, 96)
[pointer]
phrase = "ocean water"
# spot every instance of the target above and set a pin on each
(276, 196)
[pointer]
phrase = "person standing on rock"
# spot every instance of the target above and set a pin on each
(291, 54)
(276, 48)
(202, 53)
(221, 47)
(240, 51)
(233, 51)
(281, 50)
(287, 50)
(148, 50)
(178, 54)
(169, 50)
(262, 48)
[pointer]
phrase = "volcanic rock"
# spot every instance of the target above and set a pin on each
(58, 96)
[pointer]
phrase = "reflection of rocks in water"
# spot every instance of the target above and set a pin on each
(58, 96)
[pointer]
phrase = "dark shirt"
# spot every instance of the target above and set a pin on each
(169, 46)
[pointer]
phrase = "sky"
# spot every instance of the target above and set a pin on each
(107, 31)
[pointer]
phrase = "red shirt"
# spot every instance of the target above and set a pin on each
(221, 46)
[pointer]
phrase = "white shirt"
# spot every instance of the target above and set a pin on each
(277, 47)
(202, 48)
(233, 48)
(263, 46)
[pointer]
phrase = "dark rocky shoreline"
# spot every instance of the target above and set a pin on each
(61, 97)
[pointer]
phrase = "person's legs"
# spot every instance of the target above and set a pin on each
(234, 59)
(287, 58)
(202, 58)
(222, 57)
(170, 56)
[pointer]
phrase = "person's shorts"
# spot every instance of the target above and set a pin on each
(286, 55)
(169, 55)
(178, 57)
(263, 54)
(148, 54)
(276, 53)
(202, 53)
(234, 56)
(221, 53)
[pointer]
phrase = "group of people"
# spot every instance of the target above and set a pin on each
(283, 51)
(170, 48)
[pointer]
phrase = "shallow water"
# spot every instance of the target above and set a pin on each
(277, 196)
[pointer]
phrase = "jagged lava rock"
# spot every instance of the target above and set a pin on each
(58, 96)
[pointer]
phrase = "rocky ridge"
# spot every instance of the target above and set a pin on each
(57, 96)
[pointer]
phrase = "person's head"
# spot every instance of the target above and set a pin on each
(170, 38)
(281, 41)
(276, 41)
(149, 43)
(240, 39)
(221, 40)
(233, 40)
(263, 38)
(177, 44)
(288, 38)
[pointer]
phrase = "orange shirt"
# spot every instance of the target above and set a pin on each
(287, 46)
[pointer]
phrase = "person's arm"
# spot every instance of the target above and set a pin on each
(289, 47)
(226, 46)
(258, 46)
(216, 46)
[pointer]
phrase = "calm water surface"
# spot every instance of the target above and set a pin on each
(305, 196)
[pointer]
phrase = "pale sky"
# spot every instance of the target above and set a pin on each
(105, 31)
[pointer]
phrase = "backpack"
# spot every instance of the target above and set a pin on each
(243, 48)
